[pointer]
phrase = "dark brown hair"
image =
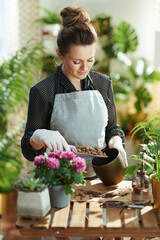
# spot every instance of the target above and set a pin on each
(76, 29)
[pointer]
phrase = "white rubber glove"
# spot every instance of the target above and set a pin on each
(116, 142)
(52, 139)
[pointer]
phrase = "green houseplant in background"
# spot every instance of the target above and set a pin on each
(114, 39)
(50, 25)
(149, 153)
(16, 77)
(125, 38)
(50, 17)
(133, 85)
(130, 76)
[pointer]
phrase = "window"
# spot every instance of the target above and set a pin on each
(17, 24)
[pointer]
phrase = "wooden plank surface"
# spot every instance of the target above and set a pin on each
(158, 217)
(78, 215)
(96, 191)
(95, 215)
(108, 238)
(138, 238)
(26, 223)
(113, 219)
(23, 222)
(148, 217)
(60, 218)
(131, 218)
(124, 223)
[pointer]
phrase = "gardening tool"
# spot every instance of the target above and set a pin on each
(120, 204)
(85, 155)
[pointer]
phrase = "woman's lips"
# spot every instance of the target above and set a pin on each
(82, 73)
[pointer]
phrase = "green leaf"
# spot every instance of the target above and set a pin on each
(50, 17)
(130, 169)
(125, 37)
(143, 98)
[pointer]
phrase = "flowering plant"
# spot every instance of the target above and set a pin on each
(60, 168)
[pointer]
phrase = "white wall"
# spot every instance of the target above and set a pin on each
(139, 13)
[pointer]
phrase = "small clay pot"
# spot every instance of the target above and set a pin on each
(109, 170)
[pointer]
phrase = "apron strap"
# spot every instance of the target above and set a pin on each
(57, 85)
(91, 82)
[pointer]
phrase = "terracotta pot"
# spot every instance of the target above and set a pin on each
(110, 169)
(7, 203)
(155, 191)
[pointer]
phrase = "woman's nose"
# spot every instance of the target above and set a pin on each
(84, 66)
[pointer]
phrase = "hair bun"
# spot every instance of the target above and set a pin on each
(74, 15)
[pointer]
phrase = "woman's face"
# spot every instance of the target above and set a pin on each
(78, 61)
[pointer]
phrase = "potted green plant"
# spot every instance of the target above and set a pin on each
(50, 17)
(33, 198)
(17, 76)
(149, 131)
(50, 22)
(59, 170)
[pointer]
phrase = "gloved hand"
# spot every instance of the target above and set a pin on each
(52, 139)
(116, 142)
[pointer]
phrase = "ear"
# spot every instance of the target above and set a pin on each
(58, 53)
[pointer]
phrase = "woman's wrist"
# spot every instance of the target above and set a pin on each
(34, 145)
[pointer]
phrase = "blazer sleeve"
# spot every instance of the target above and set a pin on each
(39, 111)
(103, 84)
(112, 129)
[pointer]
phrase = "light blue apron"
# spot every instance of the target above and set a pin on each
(81, 117)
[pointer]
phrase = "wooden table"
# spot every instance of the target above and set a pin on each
(86, 218)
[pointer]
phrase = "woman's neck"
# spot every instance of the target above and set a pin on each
(76, 82)
(77, 85)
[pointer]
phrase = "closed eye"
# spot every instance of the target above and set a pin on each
(91, 60)
(76, 62)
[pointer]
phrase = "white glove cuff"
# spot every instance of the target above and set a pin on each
(115, 141)
(36, 136)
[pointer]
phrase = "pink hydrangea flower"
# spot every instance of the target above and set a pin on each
(58, 154)
(68, 155)
(62, 154)
(79, 164)
(52, 163)
(53, 154)
(38, 160)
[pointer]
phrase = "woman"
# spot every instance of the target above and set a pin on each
(75, 105)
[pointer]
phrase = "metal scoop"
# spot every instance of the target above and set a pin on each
(85, 155)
